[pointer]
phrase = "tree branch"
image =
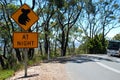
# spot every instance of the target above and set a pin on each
(33, 4)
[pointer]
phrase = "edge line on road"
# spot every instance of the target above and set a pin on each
(107, 67)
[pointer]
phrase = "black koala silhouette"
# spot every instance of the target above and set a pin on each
(23, 18)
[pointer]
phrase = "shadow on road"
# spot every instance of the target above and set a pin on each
(79, 59)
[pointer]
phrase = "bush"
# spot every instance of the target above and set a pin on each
(95, 45)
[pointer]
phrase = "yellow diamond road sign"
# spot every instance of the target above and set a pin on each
(25, 17)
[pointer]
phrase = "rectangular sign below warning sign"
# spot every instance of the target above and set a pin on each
(25, 40)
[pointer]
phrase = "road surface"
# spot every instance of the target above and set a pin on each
(83, 67)
(93, 67)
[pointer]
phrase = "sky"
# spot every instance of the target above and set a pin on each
(115, 31)
(111, 34)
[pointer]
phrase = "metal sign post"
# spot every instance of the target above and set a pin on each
(25, 59)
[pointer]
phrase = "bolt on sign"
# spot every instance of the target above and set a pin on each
(25, 17)
(25, 40)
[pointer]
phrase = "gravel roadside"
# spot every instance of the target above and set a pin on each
(44, 71)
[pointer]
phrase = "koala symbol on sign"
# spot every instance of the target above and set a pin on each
(23, 18)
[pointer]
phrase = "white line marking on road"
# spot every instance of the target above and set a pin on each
(107, 67)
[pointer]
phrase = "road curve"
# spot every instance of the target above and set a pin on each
(93, 68)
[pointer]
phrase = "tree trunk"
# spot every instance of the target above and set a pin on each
(66, 42)
(40, 46)
(64, 52)
(46, 44)
(55, 48)
(30, 53)
(69, 50)
(4, 51)
(73, 44)
(18, 55)
(63, 43)
(2, 62)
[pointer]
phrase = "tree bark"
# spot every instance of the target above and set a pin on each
(33, 4)
(18, 55)
(66, 42)
(73, 44)
(4, 51)
(2, 62)
(46, 43)
(63, 43)
(55, 48)
(30, 53)
(40, 46)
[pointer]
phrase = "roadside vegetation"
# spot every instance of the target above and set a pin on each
(65, 27)
(5, 74)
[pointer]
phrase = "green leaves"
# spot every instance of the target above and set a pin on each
(79, 7)
(112, 17)
(59, 3)
(116, 6)
(11, 8)
(95, 45)
(86, 1)
(90, 8)
(53, 24)
(116, 37)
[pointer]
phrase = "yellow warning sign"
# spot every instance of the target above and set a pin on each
(25, 17)
(25, 40)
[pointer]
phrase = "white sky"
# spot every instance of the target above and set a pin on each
(113, 32)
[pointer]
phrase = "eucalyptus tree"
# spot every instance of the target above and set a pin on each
(2, 41)
(67, 16)
(98, 17)
(110, 16)
(9, 8)
(45, 11)
(6, 28)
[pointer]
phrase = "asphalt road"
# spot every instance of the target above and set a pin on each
(93, 67)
